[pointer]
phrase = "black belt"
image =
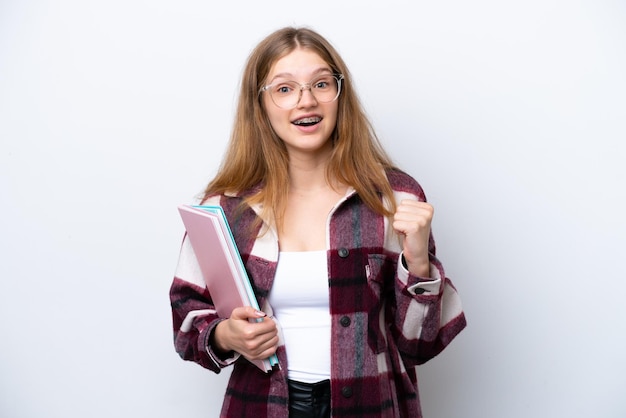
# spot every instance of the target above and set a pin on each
(309, 400)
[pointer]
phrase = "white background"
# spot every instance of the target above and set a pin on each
(511, 115)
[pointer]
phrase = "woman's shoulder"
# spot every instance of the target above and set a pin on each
(230, 196)
(400, 181)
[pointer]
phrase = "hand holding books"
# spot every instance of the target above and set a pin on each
(253, 340)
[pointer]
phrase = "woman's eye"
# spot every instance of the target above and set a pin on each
(323, 83)
(285, 88)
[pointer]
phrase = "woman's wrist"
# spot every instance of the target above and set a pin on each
(217, 339)
(419, 268)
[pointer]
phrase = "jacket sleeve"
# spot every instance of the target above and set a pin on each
(429, 314)
(193, 314)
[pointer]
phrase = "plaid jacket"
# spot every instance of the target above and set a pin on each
(385, 321)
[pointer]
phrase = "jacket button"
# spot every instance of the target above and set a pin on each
(345, 321)
(343, 252)
(346, 391)
(419, 291)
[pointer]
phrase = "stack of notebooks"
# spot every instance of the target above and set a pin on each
(220, 263)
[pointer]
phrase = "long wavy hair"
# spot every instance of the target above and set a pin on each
(256, 162)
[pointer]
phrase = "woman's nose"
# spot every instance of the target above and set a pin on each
(307, 98)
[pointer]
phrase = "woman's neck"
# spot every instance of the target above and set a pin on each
(308, 175)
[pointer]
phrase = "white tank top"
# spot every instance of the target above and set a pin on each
(300, 301)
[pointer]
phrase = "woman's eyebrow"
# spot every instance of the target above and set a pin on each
(290, 76)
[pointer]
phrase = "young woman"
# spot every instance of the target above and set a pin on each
(337, 242)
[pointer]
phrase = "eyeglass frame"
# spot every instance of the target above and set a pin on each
(307, 86)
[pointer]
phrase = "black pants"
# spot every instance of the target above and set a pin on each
(309, 400)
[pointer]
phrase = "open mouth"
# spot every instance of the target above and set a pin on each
(309, 121)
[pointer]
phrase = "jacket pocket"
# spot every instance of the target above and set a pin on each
(379, 271)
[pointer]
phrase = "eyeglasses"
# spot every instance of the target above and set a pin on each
(286, 94)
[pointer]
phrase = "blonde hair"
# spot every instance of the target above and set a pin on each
(256, 158)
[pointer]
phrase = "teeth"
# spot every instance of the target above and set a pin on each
(308, 121)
